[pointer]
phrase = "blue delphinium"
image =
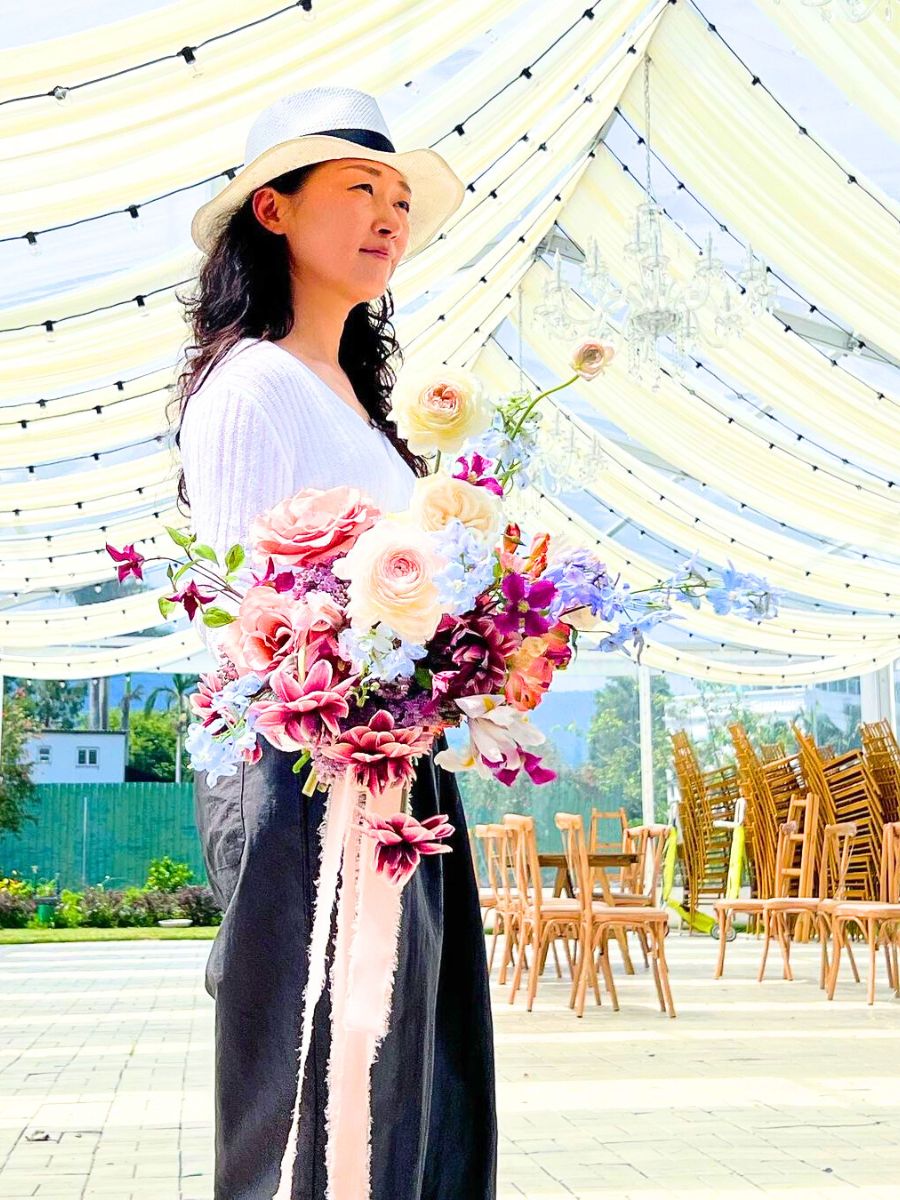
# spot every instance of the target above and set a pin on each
(469, 570)
(373, 651)
(583, 581)
(207, 753)
(743, 595)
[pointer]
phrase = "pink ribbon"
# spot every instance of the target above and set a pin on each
(366, 944)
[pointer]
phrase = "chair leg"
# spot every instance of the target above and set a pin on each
(767, 937)
(660, 932)
(725, 918)
(837, 939)
(494, 939)
(849, 947)
(540, 957)
(520, 962)
(606, 968)
(873, 957)
(784, 941)
(622, 938)
(655, 960)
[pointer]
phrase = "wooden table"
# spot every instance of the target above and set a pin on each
(600, 860)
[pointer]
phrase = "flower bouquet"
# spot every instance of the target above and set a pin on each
(355, 637)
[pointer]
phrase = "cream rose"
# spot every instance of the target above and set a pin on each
(437, 499)
(389, 572)
(440, 411)
(590, 358)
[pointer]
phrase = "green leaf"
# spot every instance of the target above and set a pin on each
(165, 606)
(181, 539)
(216, 617)
(181, 570)
(423, 677)
(234, 557)
(207, 552)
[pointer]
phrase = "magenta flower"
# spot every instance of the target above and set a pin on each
(303, 711)
(380, 754)
(203, 700)
(128, 559)
(469, 654)
(525, 600)
(477, 471)
(533, 765)
(401, 841)
(191, 597)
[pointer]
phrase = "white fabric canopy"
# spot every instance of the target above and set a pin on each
(734, 145)
(860, 56)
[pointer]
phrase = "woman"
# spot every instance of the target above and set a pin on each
(288, 386)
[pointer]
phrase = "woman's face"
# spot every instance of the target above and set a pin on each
(347, 207)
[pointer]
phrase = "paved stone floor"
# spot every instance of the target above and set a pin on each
(106, 1059)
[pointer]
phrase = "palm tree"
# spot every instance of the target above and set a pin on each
(176, 697)
(128, 695)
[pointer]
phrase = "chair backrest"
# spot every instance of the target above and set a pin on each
(836, 850)
(571, 826)
(476, 857)
(784, 857)
(608, 832)
(890, 864)
(652, 840)
(495, 841)
(528, 869)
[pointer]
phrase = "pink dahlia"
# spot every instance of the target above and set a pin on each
(379, 754)
(303, 711)
(401, 841)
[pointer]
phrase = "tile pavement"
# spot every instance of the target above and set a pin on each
(106, 1060)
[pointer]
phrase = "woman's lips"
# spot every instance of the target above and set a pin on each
(377, 253)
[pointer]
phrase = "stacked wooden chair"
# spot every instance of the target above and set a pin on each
(707, 799)
(882, 756)
(848, 793)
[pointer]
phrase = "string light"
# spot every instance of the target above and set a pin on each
(229, 172)
(62, 93)
(33, 244)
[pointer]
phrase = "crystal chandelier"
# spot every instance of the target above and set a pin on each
(706, 307)
(850, 10)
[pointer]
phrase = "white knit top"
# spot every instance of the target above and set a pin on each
(263, 425)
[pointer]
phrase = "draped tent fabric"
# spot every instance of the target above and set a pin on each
(784, 463)
(491, 150)
(156, 156)
(792, 379)
(859, 56)
(654, 502)
(731, 142)
(675, 424)
(40, 66)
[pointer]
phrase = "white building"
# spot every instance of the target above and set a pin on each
(77, 756)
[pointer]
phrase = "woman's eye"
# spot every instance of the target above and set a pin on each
(368, 185)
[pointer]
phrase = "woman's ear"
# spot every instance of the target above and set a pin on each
(268, 208)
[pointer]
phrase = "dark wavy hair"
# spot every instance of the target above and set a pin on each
(244, 290)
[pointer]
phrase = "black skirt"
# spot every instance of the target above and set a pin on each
(434, 1131)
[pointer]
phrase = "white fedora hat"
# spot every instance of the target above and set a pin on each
(322, 123)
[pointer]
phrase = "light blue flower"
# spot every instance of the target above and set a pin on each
(469, 569)
(219, 757)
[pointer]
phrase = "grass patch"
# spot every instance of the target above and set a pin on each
(15, 937)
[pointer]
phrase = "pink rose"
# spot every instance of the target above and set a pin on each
(312, 526)
(268, 628)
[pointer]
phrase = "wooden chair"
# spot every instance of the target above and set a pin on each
(878, 920)
(609, 832)
(540, 920)
(599, 920)
(790, 877)
(497, 896)
(838, 844)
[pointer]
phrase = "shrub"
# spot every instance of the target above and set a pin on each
(69, 912)
(16, 909)
(99, 908)
(166, 875)
(198, 904)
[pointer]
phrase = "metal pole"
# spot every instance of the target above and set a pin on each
(84, 840)
(645, 709)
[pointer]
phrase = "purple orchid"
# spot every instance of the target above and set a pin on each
(128, 559)
(191, 598)
(478, 471)
(525, 601)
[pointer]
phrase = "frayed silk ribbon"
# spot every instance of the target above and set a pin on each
(369, 912)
